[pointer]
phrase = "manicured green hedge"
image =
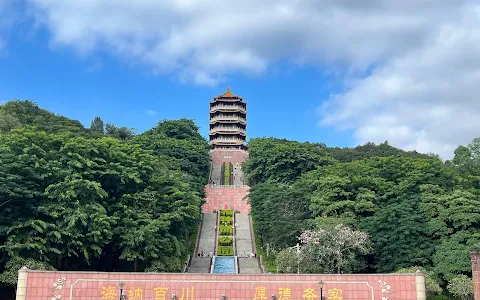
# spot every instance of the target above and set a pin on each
(227, 212)
(225, 241)
(225, 251)
(226, 230)
(225, 219)
(227, 174)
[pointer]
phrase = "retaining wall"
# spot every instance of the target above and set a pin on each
(48, 285)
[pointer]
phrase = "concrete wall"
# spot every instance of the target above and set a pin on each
(138, 286)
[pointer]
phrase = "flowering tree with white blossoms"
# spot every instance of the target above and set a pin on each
(328, 249)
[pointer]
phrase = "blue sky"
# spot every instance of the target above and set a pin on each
(281, 103)
(338, 72)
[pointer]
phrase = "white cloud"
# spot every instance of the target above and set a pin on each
(150, 112)
(410, 67)
(6, 19)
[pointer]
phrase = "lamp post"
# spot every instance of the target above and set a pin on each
(121, 284)
(321, 283)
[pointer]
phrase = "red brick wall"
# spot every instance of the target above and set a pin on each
(218, 197)
(476, 273)
(139, 286)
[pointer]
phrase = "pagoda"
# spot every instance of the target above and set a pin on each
(228, 122)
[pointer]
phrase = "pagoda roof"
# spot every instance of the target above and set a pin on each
(228, 94)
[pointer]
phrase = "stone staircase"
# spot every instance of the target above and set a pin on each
(215, 174)
(199, 265)
(248, 266)
(244, 245)
(206, 245)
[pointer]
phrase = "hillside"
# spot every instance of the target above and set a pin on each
(415, 209)
(99, 198)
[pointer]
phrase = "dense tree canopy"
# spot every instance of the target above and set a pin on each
(416, 209)
(73, 198)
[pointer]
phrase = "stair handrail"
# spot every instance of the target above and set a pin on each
(185, 266)
(212, 264)
(199, 233)
(217, 233)
(234, 232)
(236, 266)
(260, 262)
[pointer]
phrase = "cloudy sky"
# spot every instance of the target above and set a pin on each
(343, 72)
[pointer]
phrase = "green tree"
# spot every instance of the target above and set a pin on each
(281, 160)
(8, 122)
(121, 133)
(97, 125)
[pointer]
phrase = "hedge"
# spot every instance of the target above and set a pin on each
(225, 251)
(225, 219)
(227, 174)
(227, 212)
(226, 230)
(225, 241)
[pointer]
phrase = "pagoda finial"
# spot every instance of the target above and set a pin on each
(228, 93)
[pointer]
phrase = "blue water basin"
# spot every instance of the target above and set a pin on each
(225, 265)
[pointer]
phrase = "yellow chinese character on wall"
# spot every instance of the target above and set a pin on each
(335, 294)
(309, 294)
(135, 294)
(260, 293)
(108, 293)
(285, 294)
(187, 294)
(160, 293)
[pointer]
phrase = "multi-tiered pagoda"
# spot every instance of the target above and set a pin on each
(228, 122)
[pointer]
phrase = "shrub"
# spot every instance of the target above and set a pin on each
(227, 212)
(226, 230)
(225, 219)
(225, 251)
(461, 286)
(225, 241)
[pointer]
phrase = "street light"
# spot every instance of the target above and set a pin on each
(174, 296)
(321, 283)
(224, 297)
(121, 284)
(273, 296)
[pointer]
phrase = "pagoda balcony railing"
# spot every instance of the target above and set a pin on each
(227, 118)
(227, 141)
(228, 107)
(227, 129)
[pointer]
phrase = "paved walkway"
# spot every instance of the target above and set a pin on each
(245, 246)
(248, 266)
(206, 245)
(207, 234)
(216, 173)
(199, 265)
